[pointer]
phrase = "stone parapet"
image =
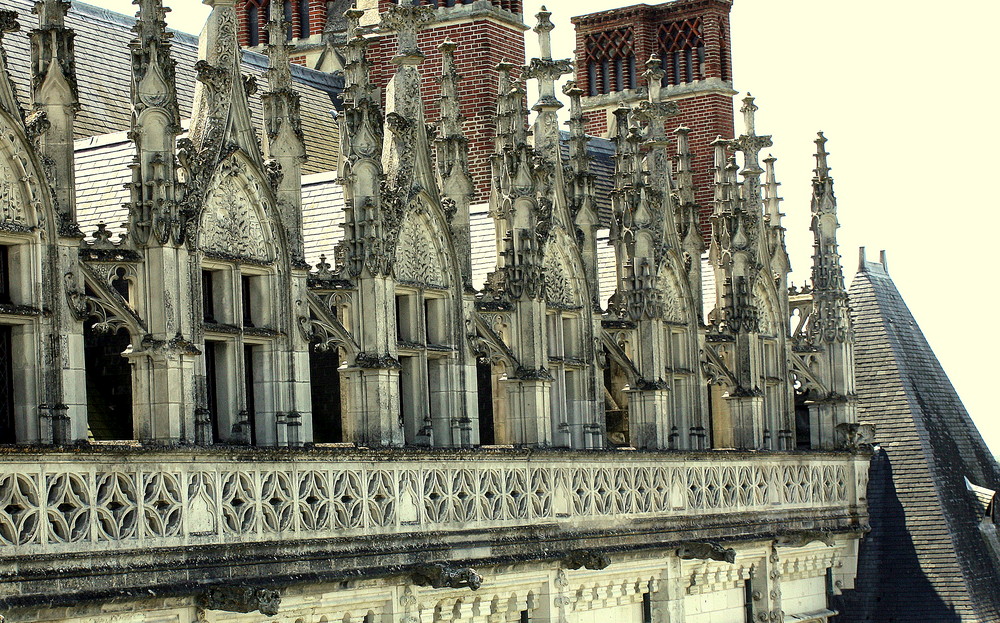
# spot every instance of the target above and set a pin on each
(57, 502)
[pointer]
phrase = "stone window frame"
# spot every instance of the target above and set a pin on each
(568, 371)
(25, 253)
(420, 354)
(233, 336)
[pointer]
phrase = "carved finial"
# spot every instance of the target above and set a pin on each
(8, 22)
(771, 192)
(544, 29)
(822, 169)
(654, 77)
(51, 12)
(407, 21)
(546, 70)
(279, 74)
(748, 110)
(151, 21)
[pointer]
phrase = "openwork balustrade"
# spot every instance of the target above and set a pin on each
(61, 502)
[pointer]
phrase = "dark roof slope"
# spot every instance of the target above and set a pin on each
(925, 559)
(103, 68)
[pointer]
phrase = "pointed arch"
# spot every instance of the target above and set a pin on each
(676, 307)
(238, 219)
(419, 257)
(565, 285)
(24, 203)
(766, 302)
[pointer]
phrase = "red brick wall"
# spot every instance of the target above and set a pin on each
(482, 44)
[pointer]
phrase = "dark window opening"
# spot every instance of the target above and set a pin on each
(109, 384)
(401, 334)
(484, 388)
(287, 12)
(212, 388)
(616, 403)
(120, 283)
(5, 296)
(803, 432)
(208, 296)
(251, 403)
(304, 19)
(525, 616)
(253, 25)
(7, 427)
(647, 608)
(748, 601)
(247, 298)
(324, 375)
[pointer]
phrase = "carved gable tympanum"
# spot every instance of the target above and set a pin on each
(231, 226)
(417, 257)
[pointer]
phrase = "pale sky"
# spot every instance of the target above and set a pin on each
(903, 91)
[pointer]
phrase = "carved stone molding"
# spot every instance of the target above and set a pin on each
(855, 437)
(241, 599)
(439, 575)
(587, 559)
(703, 550)
(803, 538)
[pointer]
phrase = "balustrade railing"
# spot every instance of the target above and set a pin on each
(65, 502)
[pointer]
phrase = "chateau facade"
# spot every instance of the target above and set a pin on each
(471, 376)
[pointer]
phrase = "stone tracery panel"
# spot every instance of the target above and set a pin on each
(417, 257)
(167, 501)
(231, 225)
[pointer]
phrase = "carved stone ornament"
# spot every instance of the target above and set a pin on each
(242, 599)
(231, 226)
(559, 289)
(587, 559)
(803, 538)
(438, 575)
(854, 436)
(11, 203)
(416, 256)
(704, 550)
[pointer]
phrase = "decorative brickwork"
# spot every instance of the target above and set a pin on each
(611, 62)
(304, 18)
(514, 6)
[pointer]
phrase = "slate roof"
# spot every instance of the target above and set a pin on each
(103, 68)
(925, 558)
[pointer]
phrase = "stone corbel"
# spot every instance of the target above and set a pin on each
(241, 599)
(705, 550)
(802, 538)
(587, 559)
(439, 575)
(855, 437)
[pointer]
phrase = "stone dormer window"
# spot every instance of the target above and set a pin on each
(425, 353)
(239, 339)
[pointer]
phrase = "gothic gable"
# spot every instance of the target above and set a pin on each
(674, 303)
(234, 222)
(561, 287)
(20, 194)
(419, 259)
